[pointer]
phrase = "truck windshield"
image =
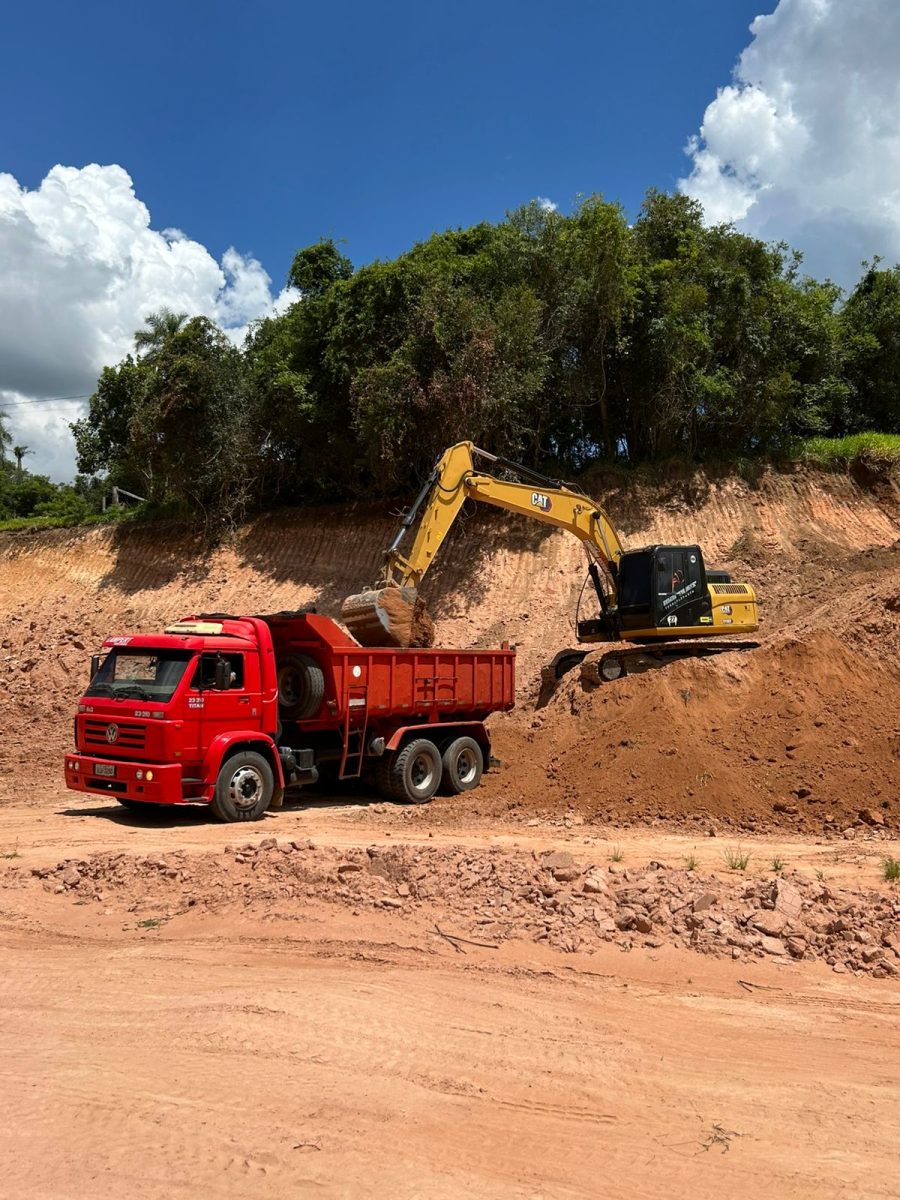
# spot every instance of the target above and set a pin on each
(130, 674)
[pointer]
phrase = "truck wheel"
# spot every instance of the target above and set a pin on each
(243, 789)
(463, 763)
(301, 687)
(415, 772)
(383, 769)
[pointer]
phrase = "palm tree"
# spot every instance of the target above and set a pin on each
(160, 327)
(20, 452)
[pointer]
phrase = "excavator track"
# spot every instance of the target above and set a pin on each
(634, 660)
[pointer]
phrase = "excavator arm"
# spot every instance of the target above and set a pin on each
(392, 613)
(455, 479)
(656, 594)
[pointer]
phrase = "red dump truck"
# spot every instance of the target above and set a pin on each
(230, 711)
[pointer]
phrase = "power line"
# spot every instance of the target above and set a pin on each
(4, 404)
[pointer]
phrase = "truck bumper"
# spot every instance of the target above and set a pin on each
(148, 782)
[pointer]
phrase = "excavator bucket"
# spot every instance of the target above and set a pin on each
(388, 616)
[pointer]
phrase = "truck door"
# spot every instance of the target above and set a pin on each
(680, 593)
(235, 708)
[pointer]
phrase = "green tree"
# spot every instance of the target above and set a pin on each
(173, 424)
(19, 453)
(871, 326)
(317, 267)
(159, 329)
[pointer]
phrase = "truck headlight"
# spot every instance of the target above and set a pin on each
(149, 776)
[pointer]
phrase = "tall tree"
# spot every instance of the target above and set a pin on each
(159, 329)
(871, 323)
(19, 453)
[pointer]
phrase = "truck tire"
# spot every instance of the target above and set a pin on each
(383, 781)
(301, 687)
(415, 773)
(244, 788)
(463, 763)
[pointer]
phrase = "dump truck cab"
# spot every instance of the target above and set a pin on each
(161, 710)
(229, 711)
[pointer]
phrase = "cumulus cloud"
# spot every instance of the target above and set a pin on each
(804, 143)
(547, 205)
(81, 269)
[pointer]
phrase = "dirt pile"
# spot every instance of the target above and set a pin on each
(804, 732)
(491, 896)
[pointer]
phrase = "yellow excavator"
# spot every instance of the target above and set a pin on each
(662, 599)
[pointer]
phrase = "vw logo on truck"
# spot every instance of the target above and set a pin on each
(112, 734)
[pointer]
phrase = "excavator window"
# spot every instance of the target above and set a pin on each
(634, 586)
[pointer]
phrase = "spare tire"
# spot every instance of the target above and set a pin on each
(301, 687)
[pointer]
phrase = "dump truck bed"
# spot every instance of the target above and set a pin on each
(422, 684)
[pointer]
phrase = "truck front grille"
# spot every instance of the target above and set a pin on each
(129, 735)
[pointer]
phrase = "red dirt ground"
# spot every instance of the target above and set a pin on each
(506, 994)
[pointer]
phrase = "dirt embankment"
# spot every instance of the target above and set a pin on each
(801, 733)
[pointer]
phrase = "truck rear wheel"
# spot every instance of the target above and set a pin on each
(462, 765)
(383, 768)
(415, 773)
(301, 687)
(244, 788)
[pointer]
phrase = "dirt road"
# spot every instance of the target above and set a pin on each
(271, 1048)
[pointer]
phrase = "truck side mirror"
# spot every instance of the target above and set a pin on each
(223, 675)
(95, 664)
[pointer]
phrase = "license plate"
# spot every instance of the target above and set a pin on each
(104, 769)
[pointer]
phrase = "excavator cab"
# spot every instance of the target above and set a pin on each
(662, 587)
(663, 592)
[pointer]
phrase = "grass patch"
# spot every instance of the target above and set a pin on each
(615, 854)
(14, 853)
(777, 865)
(16, 524)
(736, 859)
(151, 922)
(891, 869)
(876, 450)
(690, 863)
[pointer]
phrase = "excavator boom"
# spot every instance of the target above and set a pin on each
(650, 595)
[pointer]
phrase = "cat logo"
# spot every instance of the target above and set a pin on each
(539, 500)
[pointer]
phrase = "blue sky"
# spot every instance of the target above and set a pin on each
(267, 126)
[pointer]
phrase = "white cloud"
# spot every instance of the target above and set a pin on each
(80, 268)
(804, 144)
(547, 205)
